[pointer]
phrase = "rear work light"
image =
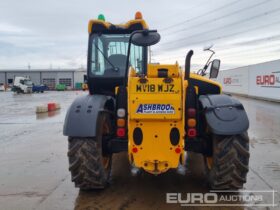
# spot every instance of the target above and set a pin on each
(121, 112)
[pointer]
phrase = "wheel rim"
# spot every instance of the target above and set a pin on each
(209, 162)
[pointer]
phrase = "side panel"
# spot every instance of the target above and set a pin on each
(82, 115)
(224, 114)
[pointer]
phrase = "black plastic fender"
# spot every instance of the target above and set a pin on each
(224, 115)
(81, 117)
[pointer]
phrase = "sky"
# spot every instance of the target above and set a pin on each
(53, 34)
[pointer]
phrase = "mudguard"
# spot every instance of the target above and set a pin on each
(224, 115)
(81, 117)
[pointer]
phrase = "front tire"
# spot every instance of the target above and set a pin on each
(228, 167)
(89, 165)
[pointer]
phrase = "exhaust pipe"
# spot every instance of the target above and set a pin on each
(188, 64)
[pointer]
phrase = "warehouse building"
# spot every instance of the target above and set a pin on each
(48, 77)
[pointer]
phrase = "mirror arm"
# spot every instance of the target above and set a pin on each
(146, 32)
(128, 54)
(208, 62)
(205, 68)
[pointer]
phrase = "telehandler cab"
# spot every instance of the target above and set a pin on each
(156, 113)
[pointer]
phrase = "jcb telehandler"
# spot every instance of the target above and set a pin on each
(156, 113)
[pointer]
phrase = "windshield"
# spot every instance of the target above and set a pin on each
(28, 82)
(108, 55)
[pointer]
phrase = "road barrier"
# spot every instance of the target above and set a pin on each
(258, 81)
(51, 106)
(47, 108)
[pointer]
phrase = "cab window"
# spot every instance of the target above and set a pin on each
(109, 55)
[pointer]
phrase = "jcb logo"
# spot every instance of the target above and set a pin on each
(155, 88)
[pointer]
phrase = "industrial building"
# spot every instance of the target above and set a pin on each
(48, 77)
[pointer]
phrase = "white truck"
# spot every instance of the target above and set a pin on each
(22, 85)
(2, 87)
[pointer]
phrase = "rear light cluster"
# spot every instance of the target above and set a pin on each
(191, 123)
(121, 132)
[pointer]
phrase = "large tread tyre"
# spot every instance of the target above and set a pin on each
(229, 165)
(89, 165)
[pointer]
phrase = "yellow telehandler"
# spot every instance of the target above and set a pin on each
(156, 113)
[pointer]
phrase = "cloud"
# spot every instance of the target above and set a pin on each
(44, 32)
(11, 29)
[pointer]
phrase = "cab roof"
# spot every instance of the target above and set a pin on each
(100, 25)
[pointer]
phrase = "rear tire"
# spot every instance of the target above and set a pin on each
(228, 167)
(89, 165)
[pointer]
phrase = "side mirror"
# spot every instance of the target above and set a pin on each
(207, 47)
(145, 38)
(215, 67)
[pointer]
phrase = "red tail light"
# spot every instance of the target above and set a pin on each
(191, 132)
(121, 132)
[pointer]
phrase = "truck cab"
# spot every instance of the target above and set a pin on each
(22, 85)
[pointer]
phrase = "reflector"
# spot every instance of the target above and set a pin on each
(134, 149)
(178, 150)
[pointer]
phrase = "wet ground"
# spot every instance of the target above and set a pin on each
(34, 166)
